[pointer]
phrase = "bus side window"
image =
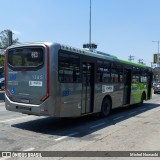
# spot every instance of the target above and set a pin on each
(99, 71)
(136, 75)
(120, 73)
(143, 77)
(114, 73)
(68, 67)
(107, 72)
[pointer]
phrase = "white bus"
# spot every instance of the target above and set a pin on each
(50, 79)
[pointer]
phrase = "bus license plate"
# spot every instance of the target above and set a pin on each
(23, 108)
(25, 100)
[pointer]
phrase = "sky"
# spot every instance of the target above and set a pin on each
(119, 27)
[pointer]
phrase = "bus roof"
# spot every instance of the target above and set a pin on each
(88, 52)
(103, 55)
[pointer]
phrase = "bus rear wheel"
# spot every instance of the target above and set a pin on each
(106, 107)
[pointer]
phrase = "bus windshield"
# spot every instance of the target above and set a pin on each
(25, 57)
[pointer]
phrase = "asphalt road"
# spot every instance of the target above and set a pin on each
(136, 128)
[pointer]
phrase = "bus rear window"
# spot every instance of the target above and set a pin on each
(25, 57)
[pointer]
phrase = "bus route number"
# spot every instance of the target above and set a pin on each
(34, 54)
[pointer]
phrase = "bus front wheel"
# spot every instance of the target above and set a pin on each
(106, 107)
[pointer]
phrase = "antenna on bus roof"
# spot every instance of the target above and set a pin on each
(90, 45)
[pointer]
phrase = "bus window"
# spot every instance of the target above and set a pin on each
(120, 73)
(143, 79)
(107, 72)
(69, 68)
(99, 71)
(136, 75)
(135, 79)
(114, 74)
(25, 58)
(143, 76)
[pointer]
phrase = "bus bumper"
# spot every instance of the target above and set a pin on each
(31, 109)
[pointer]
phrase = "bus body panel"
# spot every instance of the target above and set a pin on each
(70, 99)
(115, 92)
(136, 91)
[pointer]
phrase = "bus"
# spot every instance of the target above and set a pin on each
(51, 79)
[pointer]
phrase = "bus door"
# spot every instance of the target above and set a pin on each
(127, 86)
(87, 87)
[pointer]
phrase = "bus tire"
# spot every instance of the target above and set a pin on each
(106, 107)
(142, 98)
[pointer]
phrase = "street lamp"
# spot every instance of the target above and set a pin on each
(10, 34)
(90, 20)
(90, 45)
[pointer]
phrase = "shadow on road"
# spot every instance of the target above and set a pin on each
(64, 126)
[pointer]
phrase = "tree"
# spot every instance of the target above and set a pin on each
(1, 60)
(4, 39)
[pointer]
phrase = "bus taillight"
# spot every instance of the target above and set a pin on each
(5, 74)
(5, 67)
(47, 75)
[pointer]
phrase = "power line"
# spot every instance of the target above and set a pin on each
(140, 61)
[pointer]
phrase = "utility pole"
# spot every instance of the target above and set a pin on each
(10, 36)
(90, 22)
(158, 54)
(131, 58)
(140, 61)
